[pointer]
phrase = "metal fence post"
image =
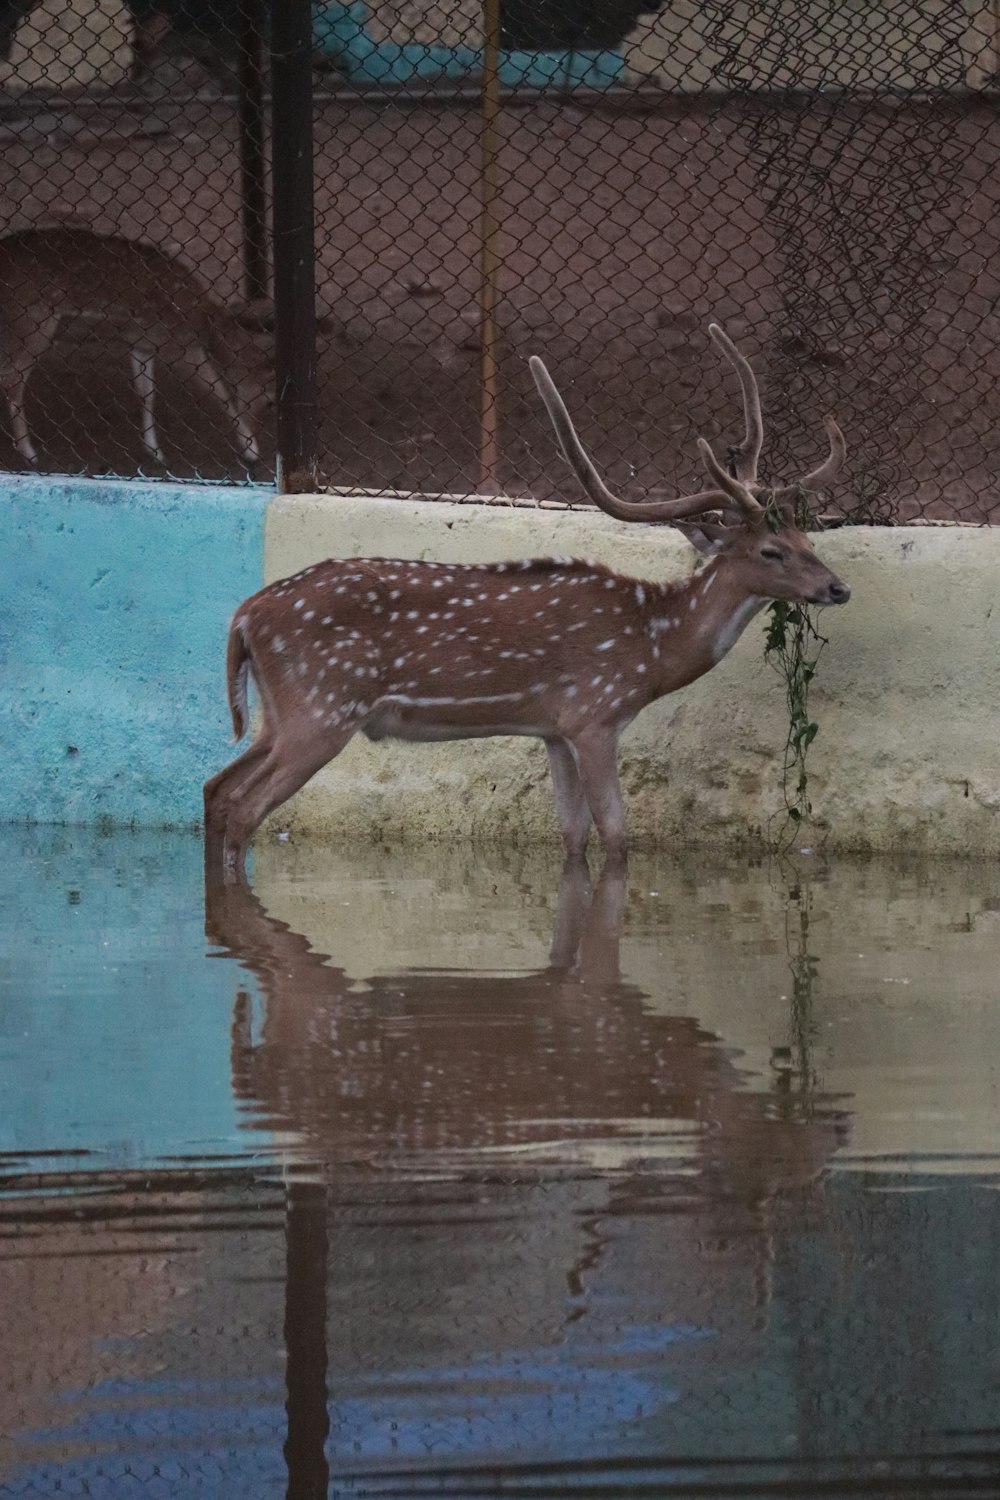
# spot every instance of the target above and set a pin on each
(251, 128)
(489, 192)
(294, 246)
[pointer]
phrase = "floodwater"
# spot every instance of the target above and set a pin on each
(423, 1173)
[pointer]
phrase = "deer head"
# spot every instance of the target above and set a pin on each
(751, 525)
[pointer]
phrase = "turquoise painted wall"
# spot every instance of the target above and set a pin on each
(115, 600)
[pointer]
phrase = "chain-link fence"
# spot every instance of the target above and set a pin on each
(593, 182)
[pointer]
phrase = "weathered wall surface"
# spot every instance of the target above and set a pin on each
(115, 599)
(906, 696)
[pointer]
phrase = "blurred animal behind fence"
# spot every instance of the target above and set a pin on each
(56, 273)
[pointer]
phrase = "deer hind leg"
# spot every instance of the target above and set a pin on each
(216, 796)
(288, 765)
(595, 752)
(18, 423)
(143, 357)
(571, 802)
(206, 365)
(31, 346)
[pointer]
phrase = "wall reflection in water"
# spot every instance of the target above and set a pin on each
(559, 1212)
(704, 1203)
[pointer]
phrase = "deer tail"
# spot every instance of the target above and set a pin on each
(239, 664)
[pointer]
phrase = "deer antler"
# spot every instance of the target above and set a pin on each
(576, 456)
(742, 491)
(748, 505)
(748, 452)
(819, 478)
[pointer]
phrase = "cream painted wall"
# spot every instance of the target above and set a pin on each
(907, 695)
(813, 44)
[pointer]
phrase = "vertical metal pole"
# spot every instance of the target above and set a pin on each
(489, 192)
(293, 238)
(250, 113)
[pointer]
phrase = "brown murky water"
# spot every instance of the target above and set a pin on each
(424, 1173)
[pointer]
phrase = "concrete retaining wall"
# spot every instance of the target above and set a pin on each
(116, 599)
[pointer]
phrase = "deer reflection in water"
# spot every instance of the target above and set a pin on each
(564, 1069)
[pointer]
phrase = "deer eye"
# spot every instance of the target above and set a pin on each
(773, 554)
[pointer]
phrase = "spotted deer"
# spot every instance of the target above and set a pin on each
(565, 650)
(63, 270)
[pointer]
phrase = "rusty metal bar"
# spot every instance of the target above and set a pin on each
(250, 117)
(489, 261)
(293, 245)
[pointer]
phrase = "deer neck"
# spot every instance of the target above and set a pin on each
(694, 624)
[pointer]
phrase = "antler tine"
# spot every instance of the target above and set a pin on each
(750, 508)
(819, 478)
(753, 437)
(594, 486)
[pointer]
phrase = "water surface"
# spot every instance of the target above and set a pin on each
(424, 1172)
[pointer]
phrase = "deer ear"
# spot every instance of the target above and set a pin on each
(702, 541)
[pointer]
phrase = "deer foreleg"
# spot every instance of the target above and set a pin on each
(595, 752)
(571, 802)
(212, 378)
(601, 941)
(18, 422)
(31, 343)
(143, 358)
(572, 904)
